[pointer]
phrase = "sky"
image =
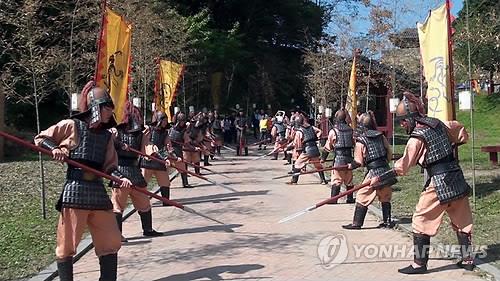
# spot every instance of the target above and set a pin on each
(416, 11)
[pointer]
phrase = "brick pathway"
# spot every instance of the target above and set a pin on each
(254, 246)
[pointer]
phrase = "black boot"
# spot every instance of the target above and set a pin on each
(293, 168)
(386, 215)
(285, 157)
(65, 269)
(185, 182)
(205, 161)
(335, 191)
(119, 221)
(218, 150)
(322, 178)
(197, 169)
(350, 197)
(359, 217)
(464, 240)
(238, 151)
(246, 151)
(421, 243)
(147, 224)
(275, 156)
(165, 193)
(108, 264)
(295, 178)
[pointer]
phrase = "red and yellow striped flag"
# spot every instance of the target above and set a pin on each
(113, 61)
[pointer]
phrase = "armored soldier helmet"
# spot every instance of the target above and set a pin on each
(158, 118)
(299, 120)
(367, 121)
(91, 100)
(340, 115)
(409, 108)
(133, 118)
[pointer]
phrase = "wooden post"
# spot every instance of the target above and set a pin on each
(2, 120)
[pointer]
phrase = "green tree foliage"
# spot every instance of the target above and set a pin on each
(258, 45)
(483, 35)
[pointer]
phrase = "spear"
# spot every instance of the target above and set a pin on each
(109, 177)
(181, 169)
(317, 205)
(259, 142)
(312, 172)
(174, 159)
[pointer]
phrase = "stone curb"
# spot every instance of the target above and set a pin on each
(50, 272)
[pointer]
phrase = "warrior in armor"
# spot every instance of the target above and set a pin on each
(341, 143)
(431, 145)
(193, 138)
(241, 124)
(324, 126)
(305, 144)
(208, 143)
(130, 134)
(159, 144)
(372, 151)
(217, 126)
(84, 202)
(176, 136)
(290, 135)
(278, 133)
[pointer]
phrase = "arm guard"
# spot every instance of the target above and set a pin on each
(48, 144)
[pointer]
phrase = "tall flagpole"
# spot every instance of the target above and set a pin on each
(450, 61)
(99, 39)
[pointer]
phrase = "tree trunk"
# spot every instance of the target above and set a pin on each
(491, 87)
(2, 120)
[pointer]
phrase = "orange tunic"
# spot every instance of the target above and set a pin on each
(429, 212)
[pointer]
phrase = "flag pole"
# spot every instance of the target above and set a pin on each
(450, 60)
(99, 39)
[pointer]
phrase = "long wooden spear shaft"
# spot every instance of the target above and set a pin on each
(317, 205)
(104, 175)
(312, 172)
(181, 169)
(180, 143)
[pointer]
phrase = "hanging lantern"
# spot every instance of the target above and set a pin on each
(136, 102)
(74, 102)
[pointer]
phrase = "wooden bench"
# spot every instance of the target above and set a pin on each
(493, 150)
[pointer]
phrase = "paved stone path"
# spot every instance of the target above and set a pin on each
(253, 246)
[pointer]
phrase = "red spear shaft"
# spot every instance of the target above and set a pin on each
(181, 169)
(104, 175)
(332, 199)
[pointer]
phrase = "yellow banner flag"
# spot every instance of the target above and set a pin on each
(433, 37)
(170, 74)
(114, 60)
(351, 104)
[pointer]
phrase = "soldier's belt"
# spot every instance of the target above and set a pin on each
(377, 163)
(79, 174)
(440, 168)
(128, 161)
(343, 152)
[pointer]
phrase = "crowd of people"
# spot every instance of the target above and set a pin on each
(127, 152)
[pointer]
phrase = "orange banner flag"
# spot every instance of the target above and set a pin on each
(169, 78)
(114, 60)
